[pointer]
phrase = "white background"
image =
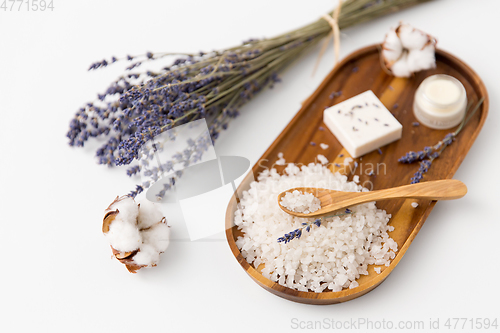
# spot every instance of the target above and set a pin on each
(56, 270)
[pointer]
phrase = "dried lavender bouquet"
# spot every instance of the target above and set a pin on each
(139, 106)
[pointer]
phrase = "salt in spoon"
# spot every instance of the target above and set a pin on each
(332, 201)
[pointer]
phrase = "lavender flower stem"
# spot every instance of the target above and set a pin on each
(139, 106)
(429, 154)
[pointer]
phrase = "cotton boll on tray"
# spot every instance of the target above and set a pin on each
(327, 258)
(407, 50)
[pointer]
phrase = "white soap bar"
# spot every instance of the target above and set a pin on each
(362, 124)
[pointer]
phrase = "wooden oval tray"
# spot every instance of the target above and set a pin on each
(357, 73)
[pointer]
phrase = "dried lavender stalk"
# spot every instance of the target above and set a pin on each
(297, 233)
(137, 107)
(430, 153)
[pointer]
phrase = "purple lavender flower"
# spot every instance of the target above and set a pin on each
(213, 86)
(307, 226)
(291, 235)
(335, 94)
(424, 167)
(98, 64)
(426, 156)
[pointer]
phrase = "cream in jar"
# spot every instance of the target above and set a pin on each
(440, 102)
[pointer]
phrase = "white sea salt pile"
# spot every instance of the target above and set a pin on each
(299, 202)
(324, 146)
(329, 257)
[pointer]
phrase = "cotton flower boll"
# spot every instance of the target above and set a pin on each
(123, 236)
(407, 50)
(420, 59)
(392, 48)
(157, 236)
(400, 68)
(149, 214)
(411, 38)
(137, 233)
(127, 208)
(148, 256)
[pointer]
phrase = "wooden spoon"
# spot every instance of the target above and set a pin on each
(332, 201)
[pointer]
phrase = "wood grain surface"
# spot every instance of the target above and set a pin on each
(357, 73)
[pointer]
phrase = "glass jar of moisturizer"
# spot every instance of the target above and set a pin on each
(440, 102)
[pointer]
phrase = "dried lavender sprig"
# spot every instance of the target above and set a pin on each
(307, 226)
(131, 146)
(429, 154)
(192, 154)
(148, 56)
(139, 106)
